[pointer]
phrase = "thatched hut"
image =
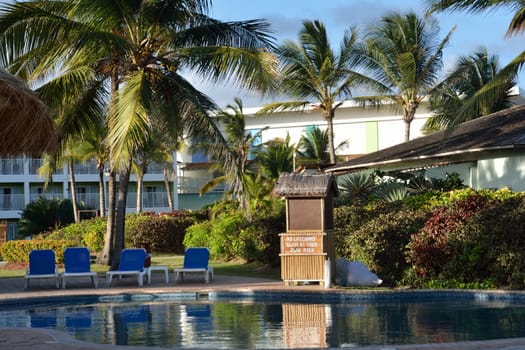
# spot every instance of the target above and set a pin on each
(26, 126)
(307, 247)
(309, 200)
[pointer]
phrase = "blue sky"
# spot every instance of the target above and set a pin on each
(285, 16)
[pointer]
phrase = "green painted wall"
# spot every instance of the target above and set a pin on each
(372, 143)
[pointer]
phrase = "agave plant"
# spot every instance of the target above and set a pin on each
(391, 192)
(357, 186)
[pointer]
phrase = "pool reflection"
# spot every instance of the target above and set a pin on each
(243, 324)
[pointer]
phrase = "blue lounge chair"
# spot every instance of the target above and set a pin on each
(42, 265)
(196, 261)
(77, 263)
(131, 263)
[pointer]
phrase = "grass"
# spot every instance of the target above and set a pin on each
(231, 268)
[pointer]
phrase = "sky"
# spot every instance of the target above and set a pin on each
(286, 16)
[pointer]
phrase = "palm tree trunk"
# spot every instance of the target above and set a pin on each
(168, 189)
(73, 190)
(409, 112)
(120, 220)
(101, 192)
(105, 257)
(140, 184)
(329, 117)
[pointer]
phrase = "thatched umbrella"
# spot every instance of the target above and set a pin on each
(25, 124)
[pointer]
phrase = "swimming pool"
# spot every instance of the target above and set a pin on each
(275, 319)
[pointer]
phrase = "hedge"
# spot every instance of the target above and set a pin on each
(18, 250)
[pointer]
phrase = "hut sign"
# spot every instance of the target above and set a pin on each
(302, 244)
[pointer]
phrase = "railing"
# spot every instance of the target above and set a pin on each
(36, 163)
(193, 185)
(50, 195)
(149, 200)
(87, 168)
(12, 202)
(11, 166)
(155, 168)
(88, 199)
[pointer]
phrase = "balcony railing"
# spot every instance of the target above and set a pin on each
(12, 202)
(194, 184)
(11, 166)
(155, 168)
(36, 163)
(87, 168)
(149, 200)
(34, 196)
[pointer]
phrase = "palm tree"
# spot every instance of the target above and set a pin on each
(275, 157)
(469, 75)
(231, 157)
(94, 147)
(315, 75)
(138, 49)
(314, 147)
(404, 57)
(516, 26)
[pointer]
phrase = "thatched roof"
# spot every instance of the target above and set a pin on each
(25, 124)
(305, 185)
(495, 135)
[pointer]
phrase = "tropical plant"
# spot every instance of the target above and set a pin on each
(516, 26)
(230, 157)
(137, 50)
(404, 58)
(469, 76)
(316, 75)
(357, 186)
(156, 149)
(44, 215)
(275, 157)
(314, 147)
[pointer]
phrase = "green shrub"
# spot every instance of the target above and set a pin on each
(43, 215)
(230, 236)
(89, 233)
(348, 219)
(490, 246)
(380, 243)
(429, 249)
(18, 250)
(163, 233)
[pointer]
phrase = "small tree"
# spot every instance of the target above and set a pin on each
(44, 215)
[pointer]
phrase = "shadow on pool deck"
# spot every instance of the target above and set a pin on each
(43, 339)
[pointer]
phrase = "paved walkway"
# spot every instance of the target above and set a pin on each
(43, 339)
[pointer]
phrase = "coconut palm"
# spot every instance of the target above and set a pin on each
(516, 26)
(403, 55)
(313, 148)
(231, 156)
(315, 75)
(275, 157)
(470, 75)
(139, 49)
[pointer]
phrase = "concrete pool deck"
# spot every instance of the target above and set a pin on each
(31, 339)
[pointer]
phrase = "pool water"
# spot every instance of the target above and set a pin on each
(246, 324)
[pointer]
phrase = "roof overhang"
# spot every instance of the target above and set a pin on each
(429, 161)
